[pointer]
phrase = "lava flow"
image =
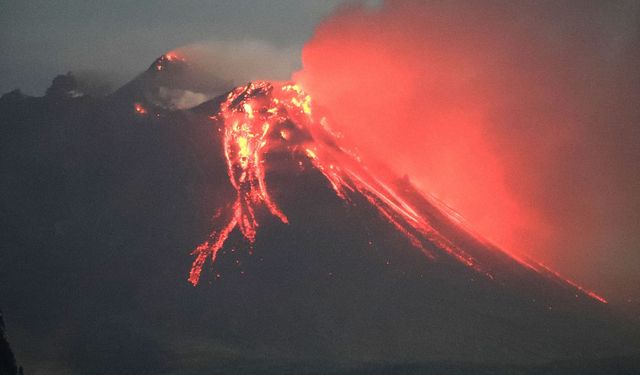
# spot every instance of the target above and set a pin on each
(244, 141)
(264, 115)
(170, 57)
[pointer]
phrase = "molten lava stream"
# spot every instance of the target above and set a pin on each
(244, 140)
(262, 116)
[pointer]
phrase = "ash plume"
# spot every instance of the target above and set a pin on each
(521, 116)
(240, 61)
(214, 67)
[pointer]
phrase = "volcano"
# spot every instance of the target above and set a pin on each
(172, 82)
(303, 259)
(265, 119)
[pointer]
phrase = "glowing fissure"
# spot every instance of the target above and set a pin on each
(244, 141)
(166, 59)
(139, 109)
(528, 263)
(263, 116)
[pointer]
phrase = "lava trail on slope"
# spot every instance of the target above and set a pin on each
(264, 117)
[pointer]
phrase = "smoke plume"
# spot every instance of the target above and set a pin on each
(524, 117)
(240, 61)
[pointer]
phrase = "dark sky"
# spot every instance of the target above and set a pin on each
(117, 39)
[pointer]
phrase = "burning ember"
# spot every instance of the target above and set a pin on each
(264, 115)
(244, 140)
(170, 57)
(140, 109)
(250, 114)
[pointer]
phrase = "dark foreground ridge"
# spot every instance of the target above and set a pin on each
(8, 364)
(103, 199)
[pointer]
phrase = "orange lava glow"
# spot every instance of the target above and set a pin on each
(244, 142)
(263, 116)
(414, 101)
(168, 58)
(173, 56)
(140, 109)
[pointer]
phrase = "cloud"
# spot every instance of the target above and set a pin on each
(241, 61)
(215, 67)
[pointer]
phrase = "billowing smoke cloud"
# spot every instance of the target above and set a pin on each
(181, 99)
(215, 67)
(522, 116)
(241, 61)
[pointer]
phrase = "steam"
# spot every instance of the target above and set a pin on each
(215, 67)
(524, 117)
(181, 99)
(240, 61)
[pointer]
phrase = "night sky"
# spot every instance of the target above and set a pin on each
(113, 40)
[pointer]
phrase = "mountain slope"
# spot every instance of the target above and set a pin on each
(102, 205)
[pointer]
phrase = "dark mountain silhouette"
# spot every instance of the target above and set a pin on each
(101, 205)
(171, 82)
(8, 364)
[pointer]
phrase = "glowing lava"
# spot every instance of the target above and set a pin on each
(140, 109)
(244, 141)
(263, 116)
(170, 57)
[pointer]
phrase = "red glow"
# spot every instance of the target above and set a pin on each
(140, 109)
(590, 293)
(517, 116)
(174, 56)
(439, 142)
(168, 58)
(244, 142)
(254, 113)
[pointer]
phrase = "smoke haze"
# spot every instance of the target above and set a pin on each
(521, 116)
(41, 39)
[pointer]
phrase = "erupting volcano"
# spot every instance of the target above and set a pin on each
(315, 256)
(320, 187)
(245, 137)
(268, 117)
